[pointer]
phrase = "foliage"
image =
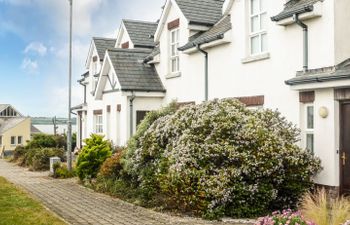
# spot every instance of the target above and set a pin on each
(221, 159)
(286, 217)
(18, 208)
(41, 158)
(61, 171)
(135, 141)
(112, 167)
(322, 210)
(19, 153)
(47, 141)
(92, 156)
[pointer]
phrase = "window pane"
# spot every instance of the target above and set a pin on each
(254, 7)
(264, 43)
(255, 44)
(310, 142)
(263, 21)
(173, 65)
(255, 24)
(310, 117)
(173, 36)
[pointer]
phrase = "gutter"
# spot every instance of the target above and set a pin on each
(203, 41)
(306, 41)
(286, 15)
(316, 79)
(206, 75)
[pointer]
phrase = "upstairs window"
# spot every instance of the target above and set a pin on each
(13, 140)
(174, 53)
(258, 27)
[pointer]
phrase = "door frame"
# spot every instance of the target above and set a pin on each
(341, 126)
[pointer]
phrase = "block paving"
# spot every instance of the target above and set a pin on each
(78, 205)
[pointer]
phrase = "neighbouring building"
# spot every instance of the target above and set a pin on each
(290, 55)
(48, 125)
(15, 129)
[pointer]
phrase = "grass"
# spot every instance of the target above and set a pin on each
(16, 207)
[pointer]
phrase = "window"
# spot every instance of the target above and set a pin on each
(0, 140)
(19, 140)
(258, 27)
(140, 115)
(309, 130)
(13, 140)
(174, 53)
(98, 124)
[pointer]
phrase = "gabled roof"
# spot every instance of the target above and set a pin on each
(10, 123)
(102, 44)
(3, 107)
(295, 7)
(34, 130)
(204, 12)
(132, 73)
(338, 72)
(141, 32)
(215, 33)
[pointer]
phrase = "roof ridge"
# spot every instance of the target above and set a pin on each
(138, 21)
(103, 38)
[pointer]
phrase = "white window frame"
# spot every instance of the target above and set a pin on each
(308, 130)
(176, 56)
(260, 32)
(98, 123)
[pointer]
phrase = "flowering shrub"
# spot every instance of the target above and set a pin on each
(286, 217)
(112, 167)
(220, 158)
(347, 222)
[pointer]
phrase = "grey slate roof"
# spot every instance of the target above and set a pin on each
(295, 6)
(102, 44)
(215, 33)
(338, 72)
(141, 32)
(205, 12)
(10, 123)
(34, 130)
(132, 73)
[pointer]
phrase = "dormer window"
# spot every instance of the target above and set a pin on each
(258, 27)
(174, 53)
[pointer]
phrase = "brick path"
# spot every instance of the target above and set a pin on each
(79, 205)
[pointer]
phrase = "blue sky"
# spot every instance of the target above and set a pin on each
(34, 47)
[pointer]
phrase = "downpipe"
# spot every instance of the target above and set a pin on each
(132, 98)
(306, 41)
(206, 71)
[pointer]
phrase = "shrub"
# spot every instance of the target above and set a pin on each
(320, 209)
(19, 153)
(286, 217)
(40, 159)
(47, 141)
(61, 171)
(112, 167)
(93, 154)
(220, 158)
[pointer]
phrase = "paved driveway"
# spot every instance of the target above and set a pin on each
(79, 205)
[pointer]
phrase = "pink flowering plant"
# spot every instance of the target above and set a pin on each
(287, 217)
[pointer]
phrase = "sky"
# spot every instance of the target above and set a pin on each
(34, 47)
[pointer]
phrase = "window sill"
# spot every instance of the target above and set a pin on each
(256, 58)
(173, 75)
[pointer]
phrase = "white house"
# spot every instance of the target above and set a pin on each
(287, 55)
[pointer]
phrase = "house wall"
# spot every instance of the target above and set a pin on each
(22, 129)
(342, 30)
(125, 38)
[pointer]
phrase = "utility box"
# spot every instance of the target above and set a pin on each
(53, 161)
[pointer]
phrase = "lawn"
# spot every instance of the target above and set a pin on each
(16, 207)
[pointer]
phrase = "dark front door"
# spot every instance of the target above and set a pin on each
(345, 147)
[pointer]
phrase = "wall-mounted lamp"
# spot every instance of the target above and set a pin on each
(323, 112)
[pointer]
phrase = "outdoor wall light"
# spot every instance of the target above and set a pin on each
(323, 112)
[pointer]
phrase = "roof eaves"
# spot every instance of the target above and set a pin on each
(202, 41)
(285, 15)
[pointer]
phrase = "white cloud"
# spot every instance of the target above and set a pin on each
(29, 65)
(36, 47)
